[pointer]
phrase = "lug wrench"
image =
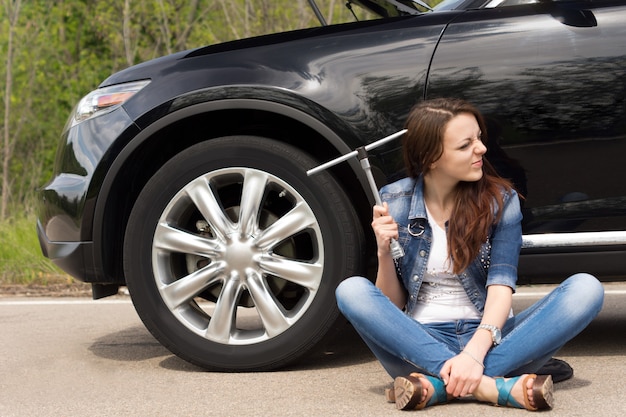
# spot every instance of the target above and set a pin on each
(361, 154)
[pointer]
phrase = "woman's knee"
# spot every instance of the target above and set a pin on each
(352, 294)
(349, 288)
(585, 282)
(587, 290)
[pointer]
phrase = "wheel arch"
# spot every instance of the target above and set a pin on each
(147, 151)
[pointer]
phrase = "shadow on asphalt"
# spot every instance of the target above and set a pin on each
(131, 344)
(136, 344)
(605, 336)
(344, 348)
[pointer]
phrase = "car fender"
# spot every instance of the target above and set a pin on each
(326, 125)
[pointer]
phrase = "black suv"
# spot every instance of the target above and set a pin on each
(185, 178)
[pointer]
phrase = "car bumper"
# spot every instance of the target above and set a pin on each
(75, 258)
(67, 202)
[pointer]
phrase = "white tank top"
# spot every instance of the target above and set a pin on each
(441, 297)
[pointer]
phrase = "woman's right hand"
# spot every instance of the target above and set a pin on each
(385, 228)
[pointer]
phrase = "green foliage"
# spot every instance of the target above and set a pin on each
(21, 261)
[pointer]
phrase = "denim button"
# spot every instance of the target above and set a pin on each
(415, 278)
(422, 253)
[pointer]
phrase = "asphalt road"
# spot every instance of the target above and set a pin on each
(78, 357)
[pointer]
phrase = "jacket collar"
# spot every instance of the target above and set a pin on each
(418, 207)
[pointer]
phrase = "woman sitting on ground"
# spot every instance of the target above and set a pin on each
(440, 318)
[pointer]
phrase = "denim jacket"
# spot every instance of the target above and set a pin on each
(496, 262)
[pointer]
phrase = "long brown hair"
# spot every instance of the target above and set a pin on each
(477, 204)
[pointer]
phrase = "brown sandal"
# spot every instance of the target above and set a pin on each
(542, 392)
(407, 392)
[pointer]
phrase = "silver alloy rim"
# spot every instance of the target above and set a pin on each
(238, 256)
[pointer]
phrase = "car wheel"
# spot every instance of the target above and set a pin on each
(232, 254)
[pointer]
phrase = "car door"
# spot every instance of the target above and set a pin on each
(550, 79)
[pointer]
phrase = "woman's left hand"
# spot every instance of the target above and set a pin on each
(461, 375)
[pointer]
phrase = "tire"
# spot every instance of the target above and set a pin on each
(235, 280)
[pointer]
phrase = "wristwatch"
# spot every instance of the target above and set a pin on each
(496, 335)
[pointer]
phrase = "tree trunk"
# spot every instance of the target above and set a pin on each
(12, 11)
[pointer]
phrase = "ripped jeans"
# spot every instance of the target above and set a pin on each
(529, 339)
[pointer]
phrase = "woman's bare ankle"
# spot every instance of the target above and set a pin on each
(488, 392)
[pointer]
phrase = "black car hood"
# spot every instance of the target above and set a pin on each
(152, 68)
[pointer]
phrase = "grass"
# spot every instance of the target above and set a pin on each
(21, 260)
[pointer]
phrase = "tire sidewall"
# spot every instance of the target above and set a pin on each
(322, 194)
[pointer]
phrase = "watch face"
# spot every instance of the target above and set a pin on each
(497, 336)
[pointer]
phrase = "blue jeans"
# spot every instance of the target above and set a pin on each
(403, 345)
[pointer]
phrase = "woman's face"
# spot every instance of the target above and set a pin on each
(463, 150)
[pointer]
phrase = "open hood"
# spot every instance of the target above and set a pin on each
(395, 8)
(391, 8)
(382, 8)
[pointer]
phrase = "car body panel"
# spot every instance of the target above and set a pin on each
(553, 95)
(328, 70)
(547, 85)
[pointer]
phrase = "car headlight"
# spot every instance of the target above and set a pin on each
(104, 100)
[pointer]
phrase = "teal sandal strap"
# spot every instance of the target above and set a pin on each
(440, 395)
(504, 392)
